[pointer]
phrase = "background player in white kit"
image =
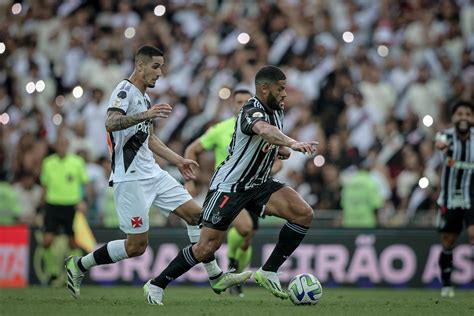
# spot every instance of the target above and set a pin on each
(138, 181)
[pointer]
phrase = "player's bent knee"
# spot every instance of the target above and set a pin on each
(306, 216)
(136, 249)
(244, 231)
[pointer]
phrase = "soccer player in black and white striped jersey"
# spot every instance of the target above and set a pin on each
(243, 180)
(456, 197)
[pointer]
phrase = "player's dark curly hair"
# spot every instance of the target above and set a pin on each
(146, 53)
(460, 103)
(269, 74)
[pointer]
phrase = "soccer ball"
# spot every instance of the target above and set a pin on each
(305, 289)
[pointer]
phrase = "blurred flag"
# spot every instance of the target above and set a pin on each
(83, 233)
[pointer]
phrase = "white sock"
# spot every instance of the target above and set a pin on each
(212, 269)
(116, 249)
(88, 261)
(193, 233)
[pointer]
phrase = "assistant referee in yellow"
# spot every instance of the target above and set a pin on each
(63, 178)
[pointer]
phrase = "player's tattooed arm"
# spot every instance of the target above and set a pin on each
(116, 121)
(272, 134)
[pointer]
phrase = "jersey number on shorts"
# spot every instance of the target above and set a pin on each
(224, 201)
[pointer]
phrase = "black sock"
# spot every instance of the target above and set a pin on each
(290, 237)
(233, 264)
(446, 266)
(184, 261)
(80, 266)
(101, 256)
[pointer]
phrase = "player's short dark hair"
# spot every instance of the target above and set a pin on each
(269, 74)
(239, 91)
(460, 103)
(147, 52)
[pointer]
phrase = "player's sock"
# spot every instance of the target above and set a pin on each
(290, 237)
(183, 262)
(51, 262)
(212, 268)
(112, 252)
(244, 257)
(446, 266)
(234, 241)
(233, 264)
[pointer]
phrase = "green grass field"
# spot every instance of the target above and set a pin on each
(185, 301)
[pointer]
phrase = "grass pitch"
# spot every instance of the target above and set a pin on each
(194, 301)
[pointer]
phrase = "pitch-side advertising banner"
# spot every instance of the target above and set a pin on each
(13, 256)
(362, 258)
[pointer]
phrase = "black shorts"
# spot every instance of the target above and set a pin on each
(57, 217)
(254, 218)
(221, 208)
(452, 220)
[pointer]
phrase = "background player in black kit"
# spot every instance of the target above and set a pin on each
(456, 197)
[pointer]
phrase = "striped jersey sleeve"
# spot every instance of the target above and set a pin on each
(250, 157)
(458, 165)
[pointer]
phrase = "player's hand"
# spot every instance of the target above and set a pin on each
(159, 110)
(308, 148)
(283, 153)
(441, 141)
(187, 169)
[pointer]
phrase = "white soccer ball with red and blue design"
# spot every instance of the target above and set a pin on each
(305, 289)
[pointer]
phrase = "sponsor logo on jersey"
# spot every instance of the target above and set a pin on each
(257, 114)
(451, 163)
(268, 147)
(143, 127)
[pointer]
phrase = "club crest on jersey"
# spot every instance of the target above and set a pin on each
(268, 147)
(216, 218)
(117, 103)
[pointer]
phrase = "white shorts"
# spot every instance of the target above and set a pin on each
(133, 200)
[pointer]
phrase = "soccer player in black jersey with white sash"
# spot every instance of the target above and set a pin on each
(243, 180)
(456, 198)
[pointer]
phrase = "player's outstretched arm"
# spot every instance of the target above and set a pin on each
(273, 135)
(192, 152)
(185, 166)
(117, 121)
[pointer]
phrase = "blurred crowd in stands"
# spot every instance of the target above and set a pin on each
(371, 80)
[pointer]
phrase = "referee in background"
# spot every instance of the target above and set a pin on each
(456, 197)
(63, 176)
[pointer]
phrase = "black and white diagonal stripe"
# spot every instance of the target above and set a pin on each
(248, 164)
